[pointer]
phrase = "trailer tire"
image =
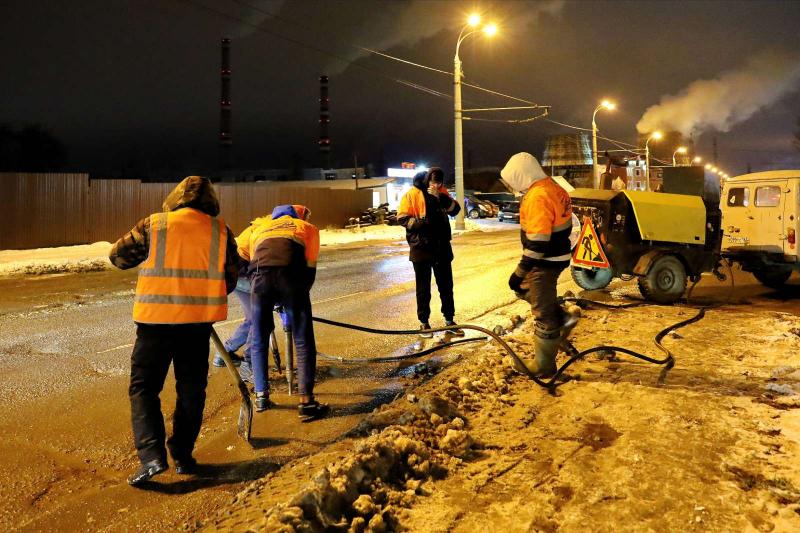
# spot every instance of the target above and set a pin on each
(773, 277)
(591, 279)
(665, 282)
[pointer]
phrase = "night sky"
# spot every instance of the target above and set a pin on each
(136, 83)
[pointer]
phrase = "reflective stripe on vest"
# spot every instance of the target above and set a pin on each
(183, 279)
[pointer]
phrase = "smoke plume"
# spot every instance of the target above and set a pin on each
(408, 23)
(731, 98)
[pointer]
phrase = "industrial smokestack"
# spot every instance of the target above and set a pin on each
(324, 118)
(225, 139)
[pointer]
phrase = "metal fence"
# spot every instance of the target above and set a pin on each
(43, 210)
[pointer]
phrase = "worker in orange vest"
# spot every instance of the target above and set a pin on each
(424, 212)
(189, 265)
(283, 253)
(545, 217)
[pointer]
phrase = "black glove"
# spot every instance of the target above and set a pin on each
(515, 283)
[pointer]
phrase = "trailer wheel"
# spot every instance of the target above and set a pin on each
(591, 279)
(665, 283)
(773, 277)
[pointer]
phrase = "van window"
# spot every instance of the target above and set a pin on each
(739, 197)
(769, 196)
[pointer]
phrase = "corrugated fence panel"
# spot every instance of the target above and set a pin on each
(43, 210)
(113, 208)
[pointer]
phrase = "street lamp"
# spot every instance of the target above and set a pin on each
(697, 159)
(655, 135)
(605, 104)
(680, 150)
(471, 27)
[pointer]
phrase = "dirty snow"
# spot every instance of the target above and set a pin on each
(479, 447)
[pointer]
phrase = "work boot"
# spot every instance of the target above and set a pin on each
(263, 402)
(424, 326)
(146, 471)
(545, 346)
(185, 467)
(454, 332)
(220, 362)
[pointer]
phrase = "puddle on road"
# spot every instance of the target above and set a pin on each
(598, 436)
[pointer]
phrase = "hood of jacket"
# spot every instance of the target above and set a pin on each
(195, 192)
(421, 180)
(284, 210)
(522, 171)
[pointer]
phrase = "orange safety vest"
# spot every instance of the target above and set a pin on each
(182, 281)
(545, 218)
(413, 202)
(285, 227)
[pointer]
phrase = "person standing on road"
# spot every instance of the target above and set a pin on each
(424, 212)
(283, 254)
(545, 217)
(189, 265)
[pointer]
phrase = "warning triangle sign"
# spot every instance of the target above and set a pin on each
(589, 252)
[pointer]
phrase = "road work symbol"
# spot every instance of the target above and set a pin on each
(589, 251)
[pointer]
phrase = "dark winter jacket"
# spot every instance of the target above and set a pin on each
(425, 218)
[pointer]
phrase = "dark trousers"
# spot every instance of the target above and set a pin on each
(443, 271)
(280, 285)
(186, 346)
(543, 297)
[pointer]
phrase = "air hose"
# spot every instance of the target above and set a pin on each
(551, 384)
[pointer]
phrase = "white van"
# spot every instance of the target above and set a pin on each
(760, 222)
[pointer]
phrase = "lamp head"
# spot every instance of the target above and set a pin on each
(681, 150)
(611, 106)
(697, 159)
(474, 19)
(656, 135)
(490, 29)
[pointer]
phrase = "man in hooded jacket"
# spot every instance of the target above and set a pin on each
(283, 253)
(424, 212)
(188, 267)
(545, 217)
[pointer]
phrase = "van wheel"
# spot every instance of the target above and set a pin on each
(474, 213)
(773, 277)
(591, 279)
(665, 283)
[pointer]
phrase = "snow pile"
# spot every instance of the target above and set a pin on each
(329, 237)
(370, 488)
(80, 258)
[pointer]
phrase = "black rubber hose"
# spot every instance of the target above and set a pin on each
(485, 331)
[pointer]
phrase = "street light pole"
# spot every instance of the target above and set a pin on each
(459, 137)
(655, 135)
(490, 30)
(605, 104)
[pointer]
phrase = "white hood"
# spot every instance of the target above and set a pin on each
(522, 171)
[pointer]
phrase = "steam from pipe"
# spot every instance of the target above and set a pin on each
(731, 98)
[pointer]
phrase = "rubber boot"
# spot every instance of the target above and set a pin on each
(546, 343)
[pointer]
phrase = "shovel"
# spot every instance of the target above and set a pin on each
(246, 410)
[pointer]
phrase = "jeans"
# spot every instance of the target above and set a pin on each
(443, 271)
(186, 347)
(239, 337)
(281, 286)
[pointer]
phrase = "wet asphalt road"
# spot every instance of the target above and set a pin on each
(65, 343)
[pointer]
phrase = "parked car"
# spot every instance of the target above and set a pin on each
(477, 208)
(509, 211)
